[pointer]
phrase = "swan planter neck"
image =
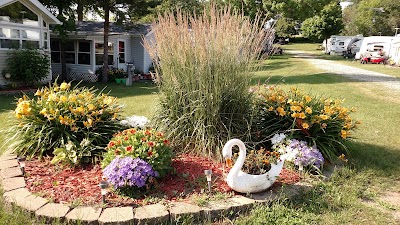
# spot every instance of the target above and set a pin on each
(247, 183)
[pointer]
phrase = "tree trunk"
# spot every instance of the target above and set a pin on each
(106, 30)
(79, 11)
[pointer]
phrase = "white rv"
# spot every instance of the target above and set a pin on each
(339, 44)
(371, 45)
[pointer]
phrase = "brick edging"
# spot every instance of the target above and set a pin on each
(16, 193)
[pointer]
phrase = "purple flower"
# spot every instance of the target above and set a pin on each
(128, 172)
(309, 156)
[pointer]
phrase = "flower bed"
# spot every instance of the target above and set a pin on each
(79, 186)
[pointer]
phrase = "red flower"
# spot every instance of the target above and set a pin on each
(111, 144)
(147, 132)
(150, 143)
(129, 148)
(117, 151)
(133, 131)
(166, 142)
(159, 134)
(126, 138)
(149, 153)
(144, 139)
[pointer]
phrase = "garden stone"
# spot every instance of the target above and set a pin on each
(11, 172)
(266, 196)
(217, 209)
(30, 203)
(241, 204)
(151, 214)
(10, 196)
(8, 163)
(13, 183)
(120, 215)
(182, 209)
(52, 212)
(85, 215)
(6, 157)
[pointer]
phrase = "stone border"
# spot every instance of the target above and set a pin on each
(16, 193)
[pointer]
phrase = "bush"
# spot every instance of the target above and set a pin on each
(112, 72)
(319, 121)
(203, 75)
(148, 145)
(58, 114)
(27, 65)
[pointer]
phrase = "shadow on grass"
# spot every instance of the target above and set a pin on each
(7, 102)
(383, 160)
(121, 90)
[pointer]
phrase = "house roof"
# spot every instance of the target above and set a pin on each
(47, 15)
(97, 28)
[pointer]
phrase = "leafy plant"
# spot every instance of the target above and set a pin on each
(149, 145)
(203, 66)
(70, 154)
(57, 114)
(27, 65)
(322, 122)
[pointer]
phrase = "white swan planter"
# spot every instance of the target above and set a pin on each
(246, 183)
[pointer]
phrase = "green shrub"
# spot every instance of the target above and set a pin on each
(149, 145)
(58, 114)
(27, 65)
(319, 121)
(203, 75)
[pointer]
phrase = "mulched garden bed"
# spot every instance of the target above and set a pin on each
(79, 186)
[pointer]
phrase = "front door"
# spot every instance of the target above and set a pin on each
(121, 56)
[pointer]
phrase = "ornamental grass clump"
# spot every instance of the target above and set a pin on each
(321, 122)
(203, 66)
(148, 145)
(60, 116)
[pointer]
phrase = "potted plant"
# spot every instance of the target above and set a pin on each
(137, 73)
(120, 75)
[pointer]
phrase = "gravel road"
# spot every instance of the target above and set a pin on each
(350, 72)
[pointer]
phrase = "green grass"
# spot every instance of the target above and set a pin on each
(373, 163)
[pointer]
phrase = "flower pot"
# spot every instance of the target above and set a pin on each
(118, 80)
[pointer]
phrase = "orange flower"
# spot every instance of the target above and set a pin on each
(147, 132)
(159, 134)
(150, 143)
(132, 131)
(166, 142)
(129, 148)
(144, 139)
(126, 138)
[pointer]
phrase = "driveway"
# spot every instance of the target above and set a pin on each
(378, 79)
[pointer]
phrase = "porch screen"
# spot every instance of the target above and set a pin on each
(99, 51)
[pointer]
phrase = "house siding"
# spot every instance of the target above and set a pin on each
(3, 57)
(137, 52)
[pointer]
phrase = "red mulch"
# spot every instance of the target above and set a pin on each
(80, 185)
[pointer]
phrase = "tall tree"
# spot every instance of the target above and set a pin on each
(63, 10)
(328, 22)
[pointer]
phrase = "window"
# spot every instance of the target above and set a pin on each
(84, 52)
(18, 13)
(45, 42)
(341, 43)
(55, 51)
(99, 50)
(14, 38)
(121, 52)
(69, 52)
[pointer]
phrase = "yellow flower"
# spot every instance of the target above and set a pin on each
(43, 111)
(63, 98)
(23, 109)
(56, 89)
(305, 126)
(307, 98)
(79, 109)
(281, 111)
(88, 123)
(344, 134)
(343, 158)
(91, 107)
(328, 110)
(308, 110)
(295, 108)
(323, 117)
(72, 98)
(64, 86)
(51, 97)
(38, 93)
(108, 100)
(271, 109)
(302, 115)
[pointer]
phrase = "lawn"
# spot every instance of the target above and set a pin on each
(373, 164)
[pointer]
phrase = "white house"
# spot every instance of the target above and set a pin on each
(23, 23)
(84, 50)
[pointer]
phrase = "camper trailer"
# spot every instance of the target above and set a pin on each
(339, 44)
(375, 46)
